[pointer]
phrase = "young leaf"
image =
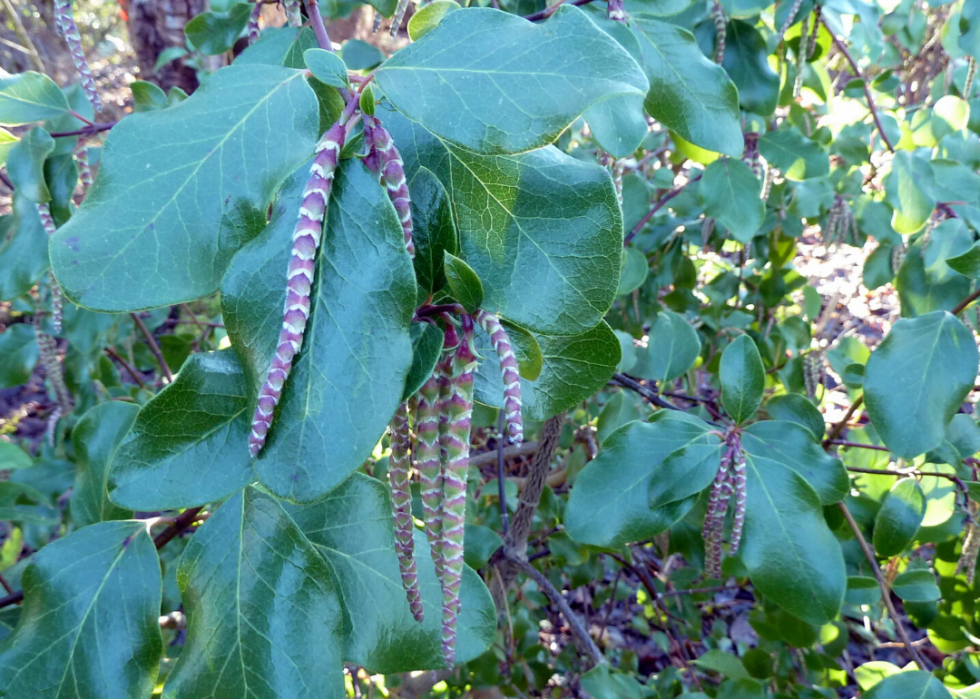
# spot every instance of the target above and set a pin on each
(792, 407)
(609, 505)
(264, 611)
(742, 378)
(434, 228)
(464, 284)
(729, 193)
(348, 378)
(213, 33)
(166, 215)
(96, 438)
(673, 347)
(25, 165)
(428, 17)
(188, 445)
(458, 80)
(427, 341)
(688, 93)
(28, 97)
(327, 67)
(916, 380)
(898, 520)
(89, 622)
(542, 230)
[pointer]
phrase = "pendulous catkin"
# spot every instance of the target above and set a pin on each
(302, 266)
(428, 460)
(64, 20)
(513, 420)
(57, 303)
(253, 22)
(721, 30)
(294, 17)
(396, 19)
(384, 160)
(399, 469)
(714, 520)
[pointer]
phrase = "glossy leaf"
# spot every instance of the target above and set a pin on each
(458, 80)
(326, 67)
(23, 249)
(688, 93)
(279, 46)
(542, 230)
(609, 505)
(96, 438)
(213, 33)
(898, 520)
(917, 378)
(151, 234)
(792, 407)
(967, 263)
(729, 192)
(746, 62)
(428, 17)
(347, 380)
(673, 347)
(28, 97)
(797, 157)
(25, 165)
(463, 282)
(916, 586)
(686, 472)
(435, 228)
(742, 378)
(427, 341)
(188, 445)
(89, 624)
(265, 617)
(18, 354)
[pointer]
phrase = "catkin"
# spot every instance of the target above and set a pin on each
(714, 520)
(813, 371)
(253, 22)
(294, 17)
(428, 460)
(64, 20)
(721, 30)
(399, 468)
(384, 160)
(57, 303)
(513, 421)
(794, 10)
(741, 494)
(396, 19)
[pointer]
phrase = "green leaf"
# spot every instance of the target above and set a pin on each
(96, 438)
(25, 165)
(916, 586)
(188, 445)
(792, 407)
(13, 457)
(908, 191)
(213, 33)
(898, 520)
(618, 124)
(723, 663)
(730, 193)
(479, 543)
(634, 271)
(913, 684)
(7, 141)
(360, 55)
(788, 444)
(348, 378)
(527, 349)
(351, 528)
(742, 378)
(542, 230)
(28, 97)
(279, 46)
(459, 80)
(746, 61)
(265, 613)
(463, 282)
(688, 93)
(601, 682)
(968, 263)
(166, 214)
(673, 347)
(573, 368)
(862, 590)
(791, 555)
(609, 505)
(21, 502)
(434, 228)
(686, 472)
(89, 622)
(427, 341)
(429, 17)
(916, 380)
(18, 354)
(796, 156)
(148, 97)
(23, 249)
(327, 67)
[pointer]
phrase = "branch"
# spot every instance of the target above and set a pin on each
(129, 369)
(89, 130)
(578, 628)
(838, 428)
(547, 12)
(867, 90)
(961, 306)
(648, 393)
(490, 457)
(184, 520)
(885, 591)
(656, 207)
(154, 347)
(319, 30)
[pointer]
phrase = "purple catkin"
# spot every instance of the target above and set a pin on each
(302, 266)
(714, 520)
(293, 15)
(721, 30)
(84, 168)
(513, 421)
(428, 461)
(793, 11)
(399, 466)
(739, 482)
(396, 19)
(615, 11)
(253, 22)
(384, 160)
(48, 352)
(65, 22)
(459, 411)
(57, 303)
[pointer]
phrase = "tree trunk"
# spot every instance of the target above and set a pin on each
(156, 25)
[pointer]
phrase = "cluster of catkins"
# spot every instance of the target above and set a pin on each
(729, 481)
(841, 222)
(441, 409)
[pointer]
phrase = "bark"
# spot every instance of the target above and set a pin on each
(156, 25)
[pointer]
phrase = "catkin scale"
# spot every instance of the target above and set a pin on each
(302, 266)
(65, 23)
(399, 468)
(615, 11)
(459, 411)
(513, 420)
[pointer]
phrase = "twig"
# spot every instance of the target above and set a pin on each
(130, 370)
(699, 590)
(154, 347)
(11, 599)
(6, 585)
(859, 445)
(575, 624)
(961, 306)
(867, 90)
(86, 130)
(184, 520)
(319, 30)
(490, 457)
(889, 472)
(835, 432)
(656, 207)
(885, 591)
(547, 12)
(648, 393)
